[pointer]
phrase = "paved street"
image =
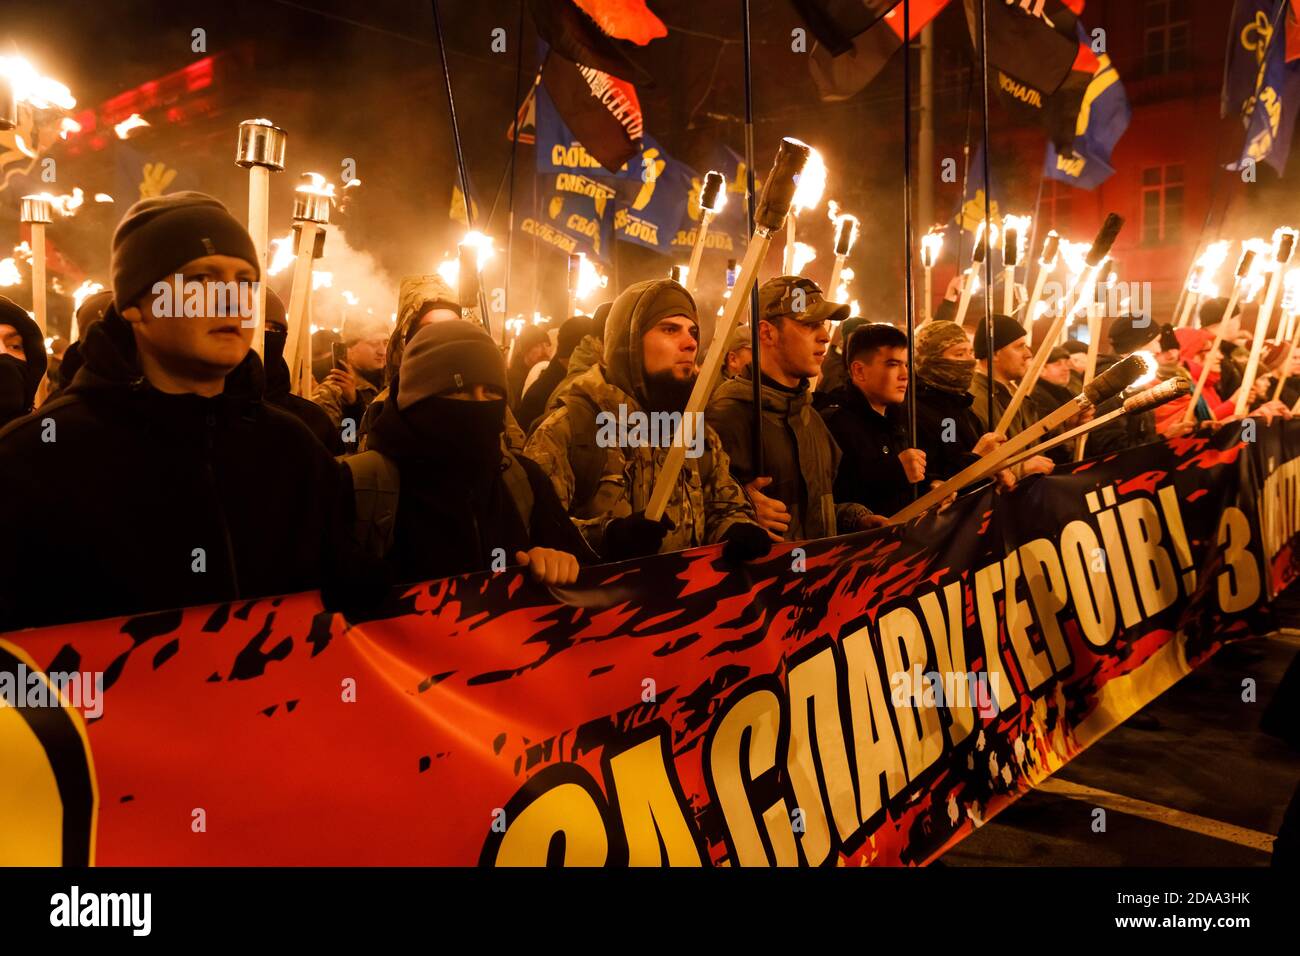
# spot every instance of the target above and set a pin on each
(1190, 780)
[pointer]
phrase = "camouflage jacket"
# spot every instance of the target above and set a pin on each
(598, 484)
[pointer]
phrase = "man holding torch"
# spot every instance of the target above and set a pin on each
(998, 368)
(604, 467)
(794, 496)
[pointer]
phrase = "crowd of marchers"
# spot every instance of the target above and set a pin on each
(160, 462)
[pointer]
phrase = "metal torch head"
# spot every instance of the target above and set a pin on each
(778, 190)
(1114, 380)
(36, 209)
(467, 284)
(1245, 263)
(1283, 245)
(575, 271)
(261, 143)
(1106, 237)
(712, 191)
(846, 233)
(1051, 246)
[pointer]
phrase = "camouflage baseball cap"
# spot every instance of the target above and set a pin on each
(800, 299)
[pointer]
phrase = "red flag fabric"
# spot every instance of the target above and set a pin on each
(602, 111)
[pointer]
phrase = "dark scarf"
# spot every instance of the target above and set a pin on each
(950, 375)
(460, 438)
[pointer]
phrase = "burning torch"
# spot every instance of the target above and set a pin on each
(846, 234)
(1244, 267)
(575, 275)
(260, 150)
(807, 195)
(38, 212)
(311, 213)
(713, 197)
(1015, 237)
(1098, 253)
(986, 233)
(1290, 307)
(1284, 240)
(931, 247)
(1046, 266)
(772, 211)
(1200, 281)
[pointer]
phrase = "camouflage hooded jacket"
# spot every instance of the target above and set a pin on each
(597, 484)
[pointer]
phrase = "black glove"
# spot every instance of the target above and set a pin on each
(13, 388)
(634, 537)
(745, 542)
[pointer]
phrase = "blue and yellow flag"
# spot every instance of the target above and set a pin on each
(1259, 84)
(1103, 118)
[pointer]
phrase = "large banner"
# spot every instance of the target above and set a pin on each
(867, 699)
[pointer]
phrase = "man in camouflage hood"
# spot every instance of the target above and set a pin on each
(651, 340)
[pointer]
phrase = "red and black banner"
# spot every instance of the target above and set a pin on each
(867, 699)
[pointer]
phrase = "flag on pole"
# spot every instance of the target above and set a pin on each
(1259, 84)
(1103, 118)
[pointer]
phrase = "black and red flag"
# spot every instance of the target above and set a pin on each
(589, 75)
(856, 38)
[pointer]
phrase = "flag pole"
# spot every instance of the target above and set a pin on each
(510, 201)
(460, 153)
(988, 189)
(755, 362)
(909, 294)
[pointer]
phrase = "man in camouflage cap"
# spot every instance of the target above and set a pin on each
(794, 494)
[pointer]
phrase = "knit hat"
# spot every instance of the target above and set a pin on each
(160, 234)
(1074, 346)
(933, 338)
(1211, 311)
(777, 298)
(447, 357)
(92, 309)
(1057, 354)
(1130, 332)
(1168, 340)
(1006, 330)
(275, 312)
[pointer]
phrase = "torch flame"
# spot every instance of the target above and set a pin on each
(589, 278)
(66, 204)
(1291, 292)
(1075, 256)
(83, 292)
(803, 254)
(1260, 266)
(134, 121)
(282, 255)
(318, 186)
(1021, 225)
(931, 246)
(449, 272)
(41, 92)
(104, 197)
(811, 184)
(482, 246)
(842, 292)
(67, 126)
(1215, 254)
(322, 280)
(349, 297)
(1150, 366)
(9, 274)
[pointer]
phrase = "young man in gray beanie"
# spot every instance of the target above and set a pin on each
(438, 493)
(198, 491)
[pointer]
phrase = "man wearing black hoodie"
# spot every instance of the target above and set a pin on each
(181, 485)
(22, 361)
(533, 405)
(438, 492)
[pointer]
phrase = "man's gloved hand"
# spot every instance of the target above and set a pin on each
(634, 537)
(745, 542)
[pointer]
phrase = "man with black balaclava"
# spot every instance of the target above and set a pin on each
(604, 458)
(277, 390)
(437, 491)
(22, 361)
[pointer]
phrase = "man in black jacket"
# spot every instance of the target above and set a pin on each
(177, 483)
(438, 493)
(277, 391)
(22, 361)
(533, 405)
(947, 429)
(878, 469)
